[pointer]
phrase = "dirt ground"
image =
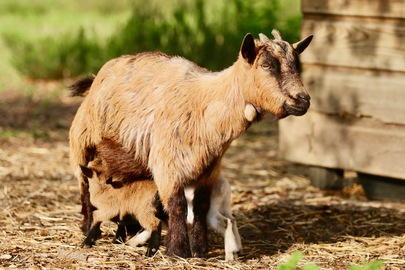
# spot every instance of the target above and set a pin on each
(277, 211)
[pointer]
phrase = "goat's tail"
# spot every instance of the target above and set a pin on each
(82, 86)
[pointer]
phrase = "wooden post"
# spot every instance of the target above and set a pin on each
(354, 70)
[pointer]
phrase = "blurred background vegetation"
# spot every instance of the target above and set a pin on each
(56, 39)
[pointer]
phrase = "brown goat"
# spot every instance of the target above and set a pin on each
(178, 119)
(122, 200)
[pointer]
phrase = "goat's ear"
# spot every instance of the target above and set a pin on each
(248, 49)
(300, 46)
(86, 171)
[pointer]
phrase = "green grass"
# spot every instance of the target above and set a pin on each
(6, 134)
(35, 19)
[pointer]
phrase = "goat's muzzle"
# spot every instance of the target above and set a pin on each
(299, 106)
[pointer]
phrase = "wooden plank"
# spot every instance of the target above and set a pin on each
(362, 145)
(360, 93)
(366, 8)
(365, 45)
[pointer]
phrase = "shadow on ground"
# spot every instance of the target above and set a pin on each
(275, 228)
(36, 115)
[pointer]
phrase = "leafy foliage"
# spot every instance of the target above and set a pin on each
(207, 32)
(52, 58)
(374, 265)
(291, 264)
(293, 261)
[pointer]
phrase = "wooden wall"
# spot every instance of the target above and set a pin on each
(354, 70)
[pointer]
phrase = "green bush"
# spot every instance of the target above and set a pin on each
(55, 58)
(208, 32)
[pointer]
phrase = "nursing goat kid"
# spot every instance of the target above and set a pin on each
(128, 203)
(178, 119)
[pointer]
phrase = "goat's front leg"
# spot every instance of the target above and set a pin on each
(154, 241)
(199, 231)
(93, 234)
(177, 241)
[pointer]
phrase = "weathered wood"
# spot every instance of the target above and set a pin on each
(354, 70)
(363, 145)
(355, 44)
(361, 93)
(366, 8)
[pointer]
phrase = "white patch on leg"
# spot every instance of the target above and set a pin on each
(139, 239)
(189, 193)
(232, 241)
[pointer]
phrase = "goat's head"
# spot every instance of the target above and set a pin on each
(273, 83)
(94, 170)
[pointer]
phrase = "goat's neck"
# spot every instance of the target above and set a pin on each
(226, 109)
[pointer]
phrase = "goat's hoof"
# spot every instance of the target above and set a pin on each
(151, 251)
(200, 254)
(88, 243)
(118, 241)
(231, 257)
(180, 253)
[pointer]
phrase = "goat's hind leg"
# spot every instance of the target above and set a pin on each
(232, 241)
(237, 235)
(120, 234)
(128, 225)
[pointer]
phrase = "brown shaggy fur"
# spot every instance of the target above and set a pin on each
(119, 163)
(177, 119)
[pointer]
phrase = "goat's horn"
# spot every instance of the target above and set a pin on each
(276, 34)
(263, 38)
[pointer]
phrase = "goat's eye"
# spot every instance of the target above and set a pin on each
(265, 66)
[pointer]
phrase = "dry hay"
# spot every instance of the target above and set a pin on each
(276, 210)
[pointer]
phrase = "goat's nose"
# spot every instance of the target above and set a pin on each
(303, 96)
